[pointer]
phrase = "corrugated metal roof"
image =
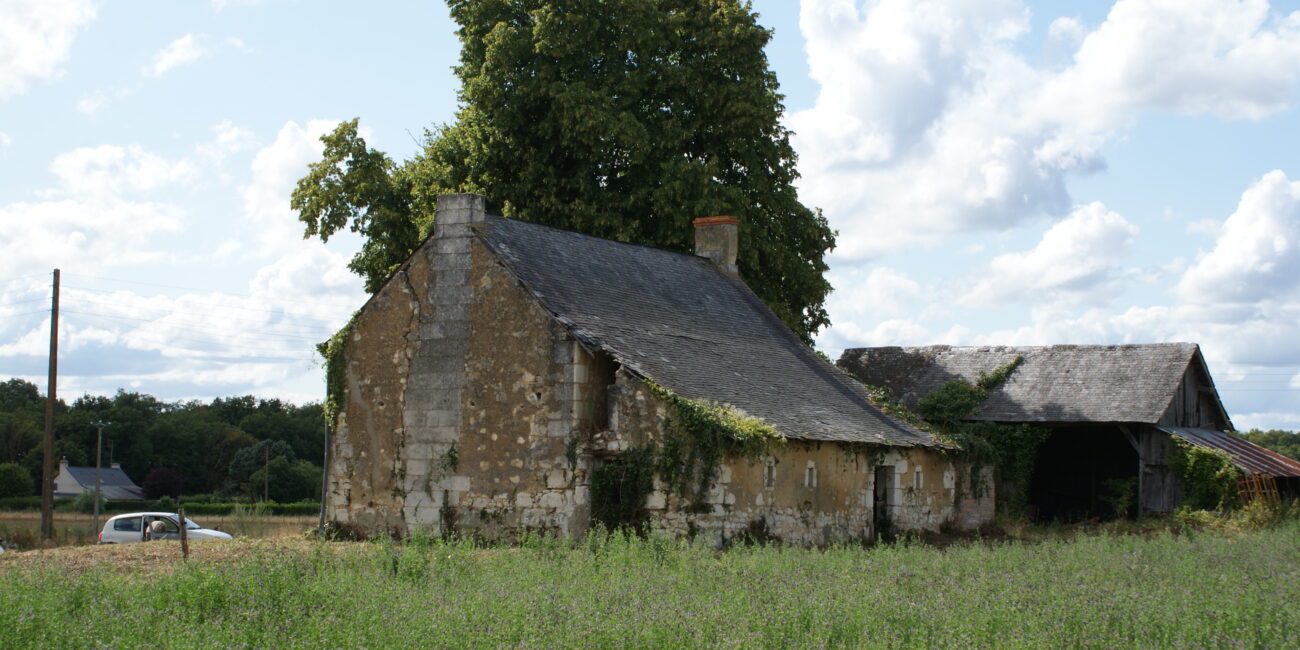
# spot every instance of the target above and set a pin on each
(1250, 457)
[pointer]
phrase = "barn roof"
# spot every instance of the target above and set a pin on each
(674, 318)
(1058, 383)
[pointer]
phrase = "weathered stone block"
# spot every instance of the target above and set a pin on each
(450, 262)
(557, 479)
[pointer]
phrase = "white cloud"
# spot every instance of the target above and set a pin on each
(85, 234)
(275, 171)
(5, 140)
(180, 52)
(109, 171)
(930, 123)
(222, 4)
(1078, 260)
(1257, 253)
(35, 37)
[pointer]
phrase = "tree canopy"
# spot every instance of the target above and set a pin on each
(187, 447)
(624, 119)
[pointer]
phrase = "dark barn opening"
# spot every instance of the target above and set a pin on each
(1082, 473)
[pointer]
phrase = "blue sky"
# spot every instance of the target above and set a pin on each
(999, 173)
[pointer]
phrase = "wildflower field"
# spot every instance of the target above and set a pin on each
(1201, 589)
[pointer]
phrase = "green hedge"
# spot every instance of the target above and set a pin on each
(210, 509)
(30, 503)
(217, 509)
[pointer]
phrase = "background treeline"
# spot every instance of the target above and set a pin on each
(1283, 442)
(223, 448)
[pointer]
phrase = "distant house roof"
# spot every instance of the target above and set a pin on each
(1059, 383)
(674, 318)
(114, 483)
(1250, 457)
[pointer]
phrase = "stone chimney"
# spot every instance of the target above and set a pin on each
(716, 239)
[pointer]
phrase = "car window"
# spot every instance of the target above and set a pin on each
(169, 526)
(130, 524)
(190, 525)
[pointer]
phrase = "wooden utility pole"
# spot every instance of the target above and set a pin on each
(99, 457)
(324, 482)
(47, 480)
(185, 537)
(266, 472)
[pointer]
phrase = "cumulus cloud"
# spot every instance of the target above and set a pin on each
(35, 36)
(930, 123)
(180, 52)
(1257, 253)
(1078, 260)
(110, 171)
(295, 293)
(276, 169)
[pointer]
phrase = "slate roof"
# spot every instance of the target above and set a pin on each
(676, 319)
(1059, 383)
(1250, 457)
(114, 483)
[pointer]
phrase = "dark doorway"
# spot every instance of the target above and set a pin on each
(1082, 473)
(619, 486)
(880, 528)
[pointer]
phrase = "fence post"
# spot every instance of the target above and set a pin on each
(185, 538)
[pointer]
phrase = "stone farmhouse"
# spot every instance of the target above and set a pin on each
(510, 376)
(1113, 412)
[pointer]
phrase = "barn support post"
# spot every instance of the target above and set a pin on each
(1141, 469)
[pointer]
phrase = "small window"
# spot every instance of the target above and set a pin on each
(769, 474)
(916, 479)
(129, 524)
(810, 476)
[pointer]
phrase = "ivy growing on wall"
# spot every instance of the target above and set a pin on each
(1207, 476)
(333, 351)
(1011, 448)
(697, 437)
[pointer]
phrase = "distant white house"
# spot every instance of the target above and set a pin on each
(113, 482)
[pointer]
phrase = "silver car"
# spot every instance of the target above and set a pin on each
(144, 526)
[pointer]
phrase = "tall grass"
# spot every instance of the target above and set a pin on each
(1203, 589)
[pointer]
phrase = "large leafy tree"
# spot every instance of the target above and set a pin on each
(623, 119)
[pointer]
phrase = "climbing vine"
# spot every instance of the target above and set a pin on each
(335, 369)
(697, 437)
(1207, 476)
(1011, 448)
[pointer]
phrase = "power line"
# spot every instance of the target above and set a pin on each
(23, 302)
(204, 299)
(197, 326)
(173, 286)
(248, 322)
(168, 341)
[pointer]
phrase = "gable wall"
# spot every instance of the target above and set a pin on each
(463, 401)
(1191, 406)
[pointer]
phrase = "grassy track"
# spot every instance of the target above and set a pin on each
(1201, 590)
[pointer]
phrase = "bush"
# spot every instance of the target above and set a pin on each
(85, 502)
(15, 481)
(20, 503)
